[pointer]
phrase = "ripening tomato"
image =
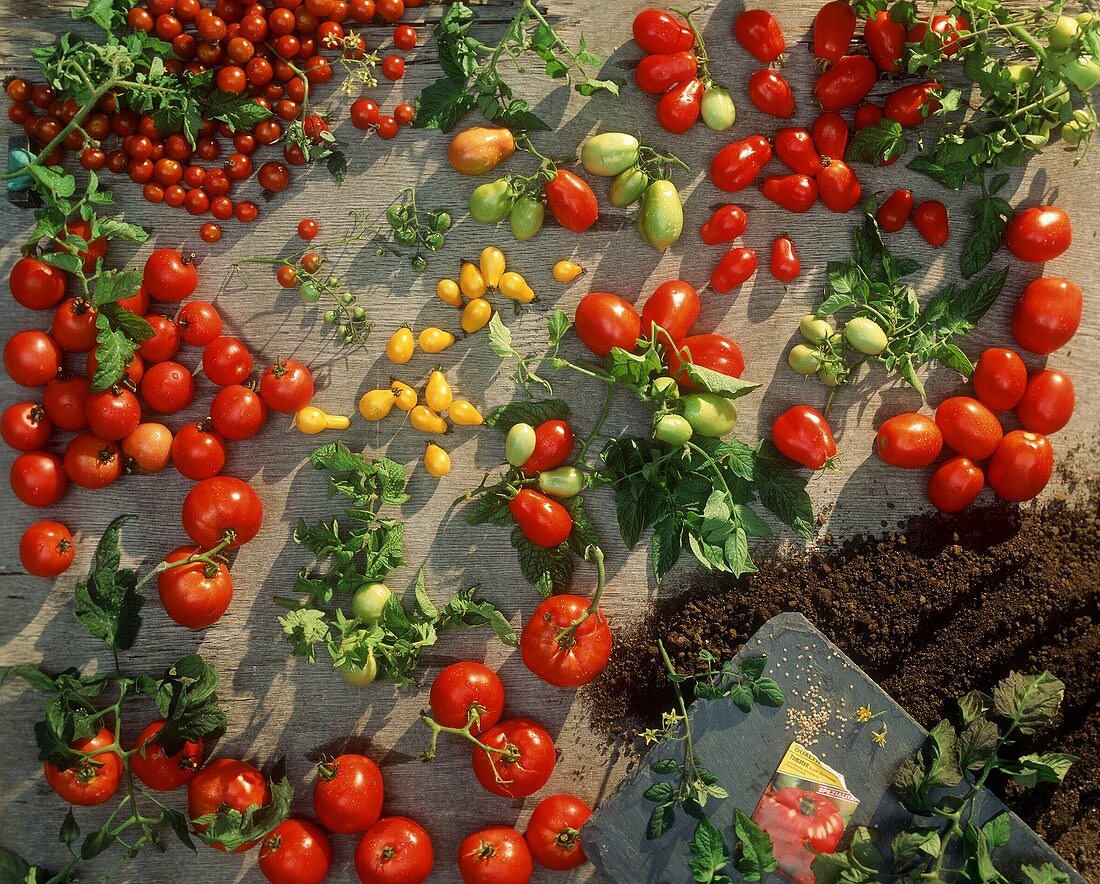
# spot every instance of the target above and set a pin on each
(495, 855)
(736, 165)
(784, 265)
(1046, 315)
(194, 595)
(36, 284)
(46, 549)
(25, 426)
(716, 352)
(895, 210)
(92, 462)
(659, 32)
(169, 276)
(553, 831)
(795, 148)
(93, 779)
(149, 447)
(795, 192)
(968, 427)
(395, 850)
(955, 484)
(463, 691)
(1021, 466)
(804, 435)
(771, 94)
(571, 201)
(159, 770)
(605, 321)
(673, 307)
(564, 658)
(1000, 378)
(38, 478)
(222, 507)
(930, 219)
(838, 185)
(524, 766)
(759, 34)
(1047, 403)
(830, 134)
(834, 25)
(909, 441)
(846, 83)
(1039, 233)
(348, 794)
(543, 521)
(296, 852)
(656, 74)
(226, 783)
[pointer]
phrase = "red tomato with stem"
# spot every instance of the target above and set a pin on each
(74, 327)
(716, 352)
(571, 201)
(1046, 315)
(92, 462)
(395, 850)
(167, 387)
(834, 25)
(659, 32)
(1039, 233)
(678, 109)
(165, 342)
(830, 134)
(771, 94)
(46, 549)
(895, 210)
(169, 276)
(733, 270)
(605, 321)
(194, 595)
(226, 783)
(1000, 379)
(113, 414)
(795, 148)
(156, 768)
(674, 306)
(909, 441)
(912, 105)
(846, 83)
(656, 74)
(65, 400)
(736, 165)
(287, 386)
(885, 40)
(571, 659)
(968, 427)
(930, 219)
(795, 192)
(839, 187)
(804, 435)
(38, 478)
(496, 855)
(348, 794)
(95, 778)
(296, 852)
(955, 484)
(553, 445)
(221, 506)
(759, 34)
(726, 224)
(199, 323)
(32, 358)
(226, 361)
(25, 426)
(36, 284)
(553, 831)
(1021, 466)
(462, 690)
(238, 412)
(1047, 403)
(543, 521)
(526, 763)
(785, 265)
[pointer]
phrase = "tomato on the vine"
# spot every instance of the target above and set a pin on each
(571, 201)
(46, 549)
(1021, 466)
(347, 796)
(673, 307)
(716, 352)
(287, 386)
(495, 855)
(194, 595)
(395, 850)
(553, 831)
(526, 764)
(885, 40)
(559, 657)
(804, 435)
(912, 105)
(93, 779)
(296, 852)
(553, 445)
(543, 521)
(1047, 403)
(679, 108)
(948, 28)
(226, 783)
(159, 770)
(221, 506)
(462, 689)
(909, 441)
(605, 321)
(656, 74)
(659, 32)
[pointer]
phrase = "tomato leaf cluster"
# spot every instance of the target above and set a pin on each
(107, 600)
(472, 78)
(965, 752)
(990, 215)
(186, 697)
(232, 828)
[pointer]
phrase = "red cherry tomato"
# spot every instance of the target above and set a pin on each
(526, 764)
(36, 284)
(795, 192)
(65, 400)
(159, 770)
(199, 323)
(46, 549)
(1047, 404)
(795, 147)
(149, 447)
(32, 358)
(543, 521)
(1000, 378)
(735, 268)
(894, 212)
(715, 352)
(577, 658)
(38, 478)
(219, 506)
(830, 133)
(912, 105)
(909, 441)
(113, 414)
(226, 361)
(1021, 466)
(462, 689)
(834, 25)
(74, 327)
(1039, 233)
(93, 462)
(167, 387)
(930, 219)
(395, 850)
(678, 109)
(785, 265)
(169, 276)
(296, 852)
(736, 165)
(238, 412)
(553, 832)
(347, 796)
(1047, 314)
(553, 445)
(226, 783)
(95, 778)
(404, 37)
(658, 31)
(165, 341)
(496, 855)
(674, 306)
(759, 34)
(571, 201)
(955, 485)
(25, 426)
(804, 435)
(605, 321)
(771, 94)
(868, 114)
(968, 427)
(726, 224)
(198, 452)
(846, 83)
(885, 40)
(839, 187)
(656, 74)
(287, 386)
(194, 595)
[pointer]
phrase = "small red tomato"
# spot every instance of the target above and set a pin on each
(955, 484)
(170, 276)
(543, 521)
(795, 192)
(605, 321)
(867, 114)
(308, 229)
(759, 34)
(894, 212)
(158, 770)
(198, 452)
(210, 232)
(885, 40)
(393, 67)
(1047, 403)
(1039, 233)
(165, 341)
(404, 37)
(804, 435)
(839, 187)
(909, 441)
(1021, 466)
(771, 94)
(571, 201)
(1047, 315)
(526, 764)
(46, 549)
(25, 426)
(735, 268)
(35, 284)
(784, 265)
(1000, 378)
(930, 219)
(199, 323)
(968, 427)
(715, 352)
(348, 794)
(38, 478)
(795, 147)
(32, 358)
(395, 849)
(726, 224)
(296, 852)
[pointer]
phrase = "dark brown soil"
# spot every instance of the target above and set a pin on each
(931, 611)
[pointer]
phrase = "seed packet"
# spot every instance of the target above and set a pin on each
(805, 802)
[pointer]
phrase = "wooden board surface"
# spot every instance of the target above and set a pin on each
(280, 706)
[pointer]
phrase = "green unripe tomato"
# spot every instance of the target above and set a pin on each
(434, 241)
(1082, 71)
(369, 601)
(526, 217)
(865, 335)
(440, 221)
(363, 674)
(1083, 18)
(1020, 73)
(397, 215)
(805, 360)
(628, 187)
(672, 429)
(491, 202)
(561, 482)
(827, 374)
(718, 110)
(418, 263)
(710, 415)
(519, 444)
(1062, 33)
(814, 330)
(661, 220)
(609, 153)
(665, 387)
(309, 293)
(329, 317)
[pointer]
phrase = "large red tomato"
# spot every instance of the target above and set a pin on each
(571, 201)
(674, 306)
(224, 783)
(296, 852)
(347, 796)
(524, 760)
(496, 855)
(222, 505)
(95, 778)
(556, 655)
(605, 321)
(464, 688)
(194, 595)
(798, 820)
(395, 850)
(1021, 466)
(1039, 233)
(553, 832)
(1047, 315)
(159, 770)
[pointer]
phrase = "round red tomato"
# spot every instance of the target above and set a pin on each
(65, 399)
(571, 201)
(238, 412)
(165, 341)
(605, 321)
(194, 595)
(1021, 466)
(36, 284)
(149, 446)
(711, 351)
(159, 770)
(95, 778)
(198, 452)
(38, 478)
(347, 796)
(25, 426)
(673, 307)
(496, 855)
(224, 783)
(222, 506)
(226, 361)
(113, 414)
(1047, 404)
(74, 327)
(46, 549)
(553, 445)
(553, 832)
(561, 658)
(1000, 378)
(287, 386)
(955, 484)
(167, 387)
(92, 462)
(395, 850)
(1047, 314)
(169, 276)
(803, 435)
(32, 358)
(523, 763)
(968, 427)
(464, 689)
(199, 323)
(1039, 233)
(909, 441)
(296, 852)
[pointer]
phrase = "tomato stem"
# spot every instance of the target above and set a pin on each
(566, 636)
(509, 753)
(211, 558)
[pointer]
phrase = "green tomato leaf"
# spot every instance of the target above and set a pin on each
(709, 853)
(755, 858)
(1029, 701)
(107, 600)
(533, 412)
